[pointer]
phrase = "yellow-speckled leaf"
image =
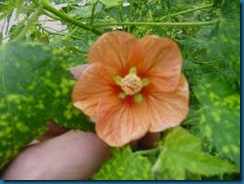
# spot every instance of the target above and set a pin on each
(35, 87)
(125, 165)
(220, 119)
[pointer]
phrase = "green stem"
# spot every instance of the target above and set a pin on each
(70, 34)
(191, 10)
(205, 23)
(77, 50)
(67, 18)
(147, 152)
(120, 14)
(130, 14)
(30, 21)
(93, 11)
(51, 15)
(60, 34)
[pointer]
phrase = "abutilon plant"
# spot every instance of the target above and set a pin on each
(132, 86)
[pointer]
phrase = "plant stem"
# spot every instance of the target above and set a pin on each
(67, 18)
(77, 50)
(60, 34)
(130, 14)
(191, 10)
(147, 152)
(30, 21)
(93, 11)
(205, 23)
(51, 15)
(120, 14)
(70, 34)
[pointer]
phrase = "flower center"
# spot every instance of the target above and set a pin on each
(131, 84)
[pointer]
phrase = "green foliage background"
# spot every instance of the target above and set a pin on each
(35, 82)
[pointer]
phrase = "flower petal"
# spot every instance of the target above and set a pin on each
(168, 109)
(118, 50)
(93, 85)
(162, 62)
(121, 123)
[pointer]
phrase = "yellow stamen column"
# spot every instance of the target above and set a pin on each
(131, 85)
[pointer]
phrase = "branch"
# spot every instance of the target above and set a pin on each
(67, 18)
(191, 10)
(205, 23)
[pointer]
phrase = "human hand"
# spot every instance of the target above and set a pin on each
(70, 156)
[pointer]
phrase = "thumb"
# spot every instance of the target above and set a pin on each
(70, 156)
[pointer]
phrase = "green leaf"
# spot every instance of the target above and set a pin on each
(94, 1)
(220, 119)
(225, 40)
(125, 165)
(109, 3)
(181, 152)
(85, 11)
(35, 87)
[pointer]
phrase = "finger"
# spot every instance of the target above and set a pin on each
(53, 130)
(78, 70)
(148, 141)
(73, 155)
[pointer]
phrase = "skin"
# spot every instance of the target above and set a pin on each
(70, 156)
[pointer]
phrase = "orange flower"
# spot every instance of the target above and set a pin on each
(132, 87)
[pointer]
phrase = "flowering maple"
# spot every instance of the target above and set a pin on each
(132, 86)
